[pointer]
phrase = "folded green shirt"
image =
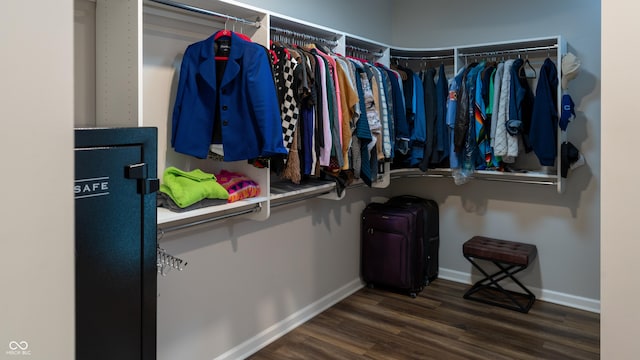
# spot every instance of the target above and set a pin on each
(188, 187)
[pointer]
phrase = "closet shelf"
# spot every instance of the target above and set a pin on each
(224, 16)
(284, 193)
(167, 219)
(524, 177)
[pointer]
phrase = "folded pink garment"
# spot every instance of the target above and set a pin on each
(237, 185)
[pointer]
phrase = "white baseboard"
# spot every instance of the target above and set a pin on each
(294, 320)
(577, 302)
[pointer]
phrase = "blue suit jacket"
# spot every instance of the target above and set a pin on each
(248, 105)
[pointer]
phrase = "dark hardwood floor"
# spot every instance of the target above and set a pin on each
(438, 324)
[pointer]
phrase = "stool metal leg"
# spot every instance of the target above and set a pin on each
(491, 281)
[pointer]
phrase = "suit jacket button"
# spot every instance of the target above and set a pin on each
(225, 107)
(225, 123)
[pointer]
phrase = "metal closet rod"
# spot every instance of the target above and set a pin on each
(434, 57)
(363, 50)
(510, 51)
(206, 12)
(291, 33)
(163, 230)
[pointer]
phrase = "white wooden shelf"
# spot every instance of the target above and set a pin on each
(168, 219)
(284, 193)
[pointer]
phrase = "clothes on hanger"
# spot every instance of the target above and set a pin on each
(207, 97)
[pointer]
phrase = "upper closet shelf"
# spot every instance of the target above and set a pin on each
(224, 16)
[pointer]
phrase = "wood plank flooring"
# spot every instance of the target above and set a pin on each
(438, 324)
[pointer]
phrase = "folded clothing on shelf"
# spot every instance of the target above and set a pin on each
(186, 188)
(238, 185)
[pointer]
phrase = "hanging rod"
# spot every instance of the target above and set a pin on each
(510, 51)
(434, 57)
(291, 33)
(198, 10)
(363, 50)
(298, 199)
(162, 231)
(480, 176)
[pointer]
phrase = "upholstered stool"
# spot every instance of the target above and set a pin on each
(510, 257)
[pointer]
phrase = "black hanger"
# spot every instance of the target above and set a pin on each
(527, 70)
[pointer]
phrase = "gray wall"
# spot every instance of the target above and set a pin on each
(368, 19)
(565, 228)
(244, 277)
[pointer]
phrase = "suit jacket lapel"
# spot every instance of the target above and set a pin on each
(207, 67)
(235, 57)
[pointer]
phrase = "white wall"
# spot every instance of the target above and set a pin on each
(620, 191)
(565, 228)
(36, 235)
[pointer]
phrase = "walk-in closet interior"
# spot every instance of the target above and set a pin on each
(246, 272)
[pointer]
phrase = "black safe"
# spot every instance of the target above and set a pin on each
(115, 242)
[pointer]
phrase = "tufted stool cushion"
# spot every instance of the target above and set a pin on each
(510, 252)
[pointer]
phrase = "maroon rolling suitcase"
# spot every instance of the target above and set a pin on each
(392, 254)
(431, 234)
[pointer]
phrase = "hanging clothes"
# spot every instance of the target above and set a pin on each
(506, 144)
(470, 152)
(388, 124)
(323, 114)
(461, 126)
(544, 120)
(430, 109)
(419, 133)
(451, 116)
(284, 72)
(348, 101)
(380, 92)
(521, 103)
(441, 146)
(401, 135)
(363, 131)
(483, 154)
(497, 86)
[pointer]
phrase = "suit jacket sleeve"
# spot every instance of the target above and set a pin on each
(264, 104)
(177, 106)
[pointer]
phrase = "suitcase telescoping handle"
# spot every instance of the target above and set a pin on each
(405, 199)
